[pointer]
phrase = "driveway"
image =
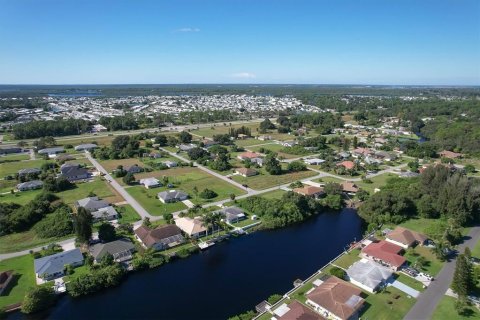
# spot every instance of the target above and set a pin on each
(429, 299)
(403, 287)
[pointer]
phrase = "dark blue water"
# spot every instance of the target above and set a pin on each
(228, 279)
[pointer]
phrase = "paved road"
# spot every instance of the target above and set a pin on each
(429, 299)
(121, 190)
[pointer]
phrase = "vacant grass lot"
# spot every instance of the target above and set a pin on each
(221, 129)
(265, 180)
(446, 311)
(346, 260)
(432, 265)
(251, 142)
(23, 280)
(276, 194)
(127, 214)
(278, 149)
(82, 190)
(11, 168)
(111, 165)
(14, 157)
(389, 304)
(377, 182)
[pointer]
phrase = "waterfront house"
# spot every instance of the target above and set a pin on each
(172, 196)
(194, 228)
(121, 250)
(150, 183)
(160, 238)
(232, 214)
(295, 311)
(53, 267)
(73, 172)
(336, 299)
(86, 147)
(246, 172)
(310, 191)
(30, 185)
(368, 275)
(405, 238)
(349, 187)
(385, 253)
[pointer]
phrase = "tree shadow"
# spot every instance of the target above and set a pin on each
(11, 284)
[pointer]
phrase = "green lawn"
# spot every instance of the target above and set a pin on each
(148, 200)
(111, 165)
(278, 149)
(390, 304)
(276, 194)
(24, 279)
(81, 190)
(127, 214)
(378, 182)
(14, 157)
(346, 260)
(265, 180)
(25, 240)
(446, 311)
(10, 168)
(251, 142)
(476, 250)
(432, 265)
(78, 271)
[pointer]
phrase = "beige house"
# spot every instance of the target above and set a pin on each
(192, 227)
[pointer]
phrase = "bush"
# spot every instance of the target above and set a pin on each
(208, 194)
(337, 272)
(96, 280)
(37, 299)
(296, 166)
(274, 298)
(56, 224)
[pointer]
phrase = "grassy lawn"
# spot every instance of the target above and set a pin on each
(14, 157)
(219, 128)
(378, 182)
(111, 165)
(276, 194)
(346, 260)
(417, 285)
(251, 142)
(78, 271)
(245, 222)
(187, 178)
(264, 180)
(10, 168)
(446, 310)
(327, 179)
(127, 214)
(24, 279)
(476, 250)
(25, 240)
(390, 304)
(147, 199)
(277, 148)
(7, 185)
(432, 265)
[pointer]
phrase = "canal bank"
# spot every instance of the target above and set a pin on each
(225, 280)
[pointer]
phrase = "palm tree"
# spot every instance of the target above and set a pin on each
(207, 220)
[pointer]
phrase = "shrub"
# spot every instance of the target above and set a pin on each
(208, 194)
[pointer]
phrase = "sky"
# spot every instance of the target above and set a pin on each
(403, 42)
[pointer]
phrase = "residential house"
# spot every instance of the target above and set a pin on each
(233, 214)
(98, 128)
(450, 154)
(194, 228)
(336, 299)
(346, 164)
(289, 143)
(242, 136)
(264, 138)
(386, 156)
(29, 171)
(368, 275)
(362, 152)
(154, 155)
(349, 187)
(134, 169)
(248, 155)
(187, 147)
(314, 161)
(385, 253)
(172, 196)
(5, 279)
(160, 238)
(86, 147)
(52, 267)
(30, 185)
(91, 204)
(343, 155)
(295, 311)
(310, 191)
(73, 172)
(150, 183)
(170, 164)
(207, 143)
(246, 172)
(257, 161)
(8, 150)
(51, 151)
(107, 213)
(121, 250)
(405, 238)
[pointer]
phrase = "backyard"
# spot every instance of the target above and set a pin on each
(23, 280)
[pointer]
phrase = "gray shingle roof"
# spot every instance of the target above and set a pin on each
(369, 273)
(172, 195)
(105, 213)
(51, 150)
(119, 249)
(29, 171)
(56, 263)
(30, 185)
(91, 203)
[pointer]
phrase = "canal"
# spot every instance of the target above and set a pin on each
(228, 279)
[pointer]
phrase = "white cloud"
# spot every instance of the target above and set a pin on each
(244, 75)
(188, 30)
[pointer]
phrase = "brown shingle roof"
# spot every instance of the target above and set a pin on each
(300, 312)
(149, 237)
(406, 236)
(308, 190)
(348, 186)
(338, 297)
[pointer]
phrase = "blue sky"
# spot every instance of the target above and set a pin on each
(240, 41)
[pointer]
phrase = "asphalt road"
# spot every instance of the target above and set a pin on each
(429, 299)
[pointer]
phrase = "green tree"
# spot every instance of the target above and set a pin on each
(37, 299)
(106, 232)
(272, 165)
(338, 272)
(185, 137)
(463, 281)
(83, 225)
(129, 179)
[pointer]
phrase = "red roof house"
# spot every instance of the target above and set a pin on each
(385, 253)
